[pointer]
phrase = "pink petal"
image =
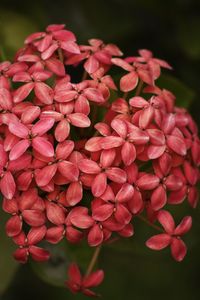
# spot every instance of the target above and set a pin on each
(177, 145)
(94, 95)
(178, 249)
(79, 218)
(138, 102)
(107, 158)
(39, 254)
(69, 170)
(159, 241)
(122, 63)
(5, 99)
(74, 193)
(14, 226)
(94, 279)
(74, 274)
(120, 127)
(89, 167)
(166, 220)
(99, 184)
(18, 129)
(93, 144)
(42, 126)
(54, 234)
(36, 235)
(184, 226)
(43, 176)
(158, 198)
(63, 150)
(7, 185)
(129, 82)
(122, 215)
(34, 217)
(23, 91)
(165, 163)
(128, 153)
(154, 152)
(148, 182)
(102, 212)
(55, 66)
(49, 51)
(156, 137)
(173, 183)
(95, 238)
(135, 204)
(19, 149)
(125, 193)
(79, 120)
(55, 213)
(21, 255)
(30, 114)
(44, 93)
(146, 117)
(110, 142)
(116, 175)
(91, 64)
(43, 146)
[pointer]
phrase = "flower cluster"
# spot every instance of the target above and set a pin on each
(81, 158)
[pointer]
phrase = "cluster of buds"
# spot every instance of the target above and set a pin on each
(81, 158)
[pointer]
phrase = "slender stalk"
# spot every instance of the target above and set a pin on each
(93, 260)
(84, 77)
(149, 223)
(139, 88)
(125, 95)
(60, 55)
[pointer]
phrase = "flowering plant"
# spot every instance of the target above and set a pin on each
(81, 158)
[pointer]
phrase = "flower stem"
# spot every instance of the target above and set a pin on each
(93, 260)
(125, 95)
(139, 88)
(85, 74)
(60, 55)
(149, 223)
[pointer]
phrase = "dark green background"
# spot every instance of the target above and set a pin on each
(172, 30)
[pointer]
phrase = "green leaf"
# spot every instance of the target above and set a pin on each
(184, 94)
(8, 266)
(54, 271)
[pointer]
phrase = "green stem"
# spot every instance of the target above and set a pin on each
(93, 260)
(139, 88)
(60, 55)
(149, 223)
(84, 77)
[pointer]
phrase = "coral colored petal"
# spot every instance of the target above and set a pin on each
(18, 129)
(99, 184)
(166, 220)
(55, 213)
(19, 149)
(22, 92)
(177, 145)
(148, 182)
(43, 176)
(74, 193)
(158, 198)
(159, 241)
(110, 142)
(44, 92)
(94, 279)
(129, 82)
(42, 126)
(39, 254)
(14, 226)
(116, 175)
(184, 226)
(178, 249)
(43, 146)
(128, 153)
(7, 185)
(89, 167)
(95, 237)
(68, 170)
(79, 120)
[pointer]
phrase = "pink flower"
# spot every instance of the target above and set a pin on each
(172, 234)
(78, 283)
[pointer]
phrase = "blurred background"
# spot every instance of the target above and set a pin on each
(171, 29)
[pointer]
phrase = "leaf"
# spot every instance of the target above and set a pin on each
(54, 271)
(8, 266)
(184, 94)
